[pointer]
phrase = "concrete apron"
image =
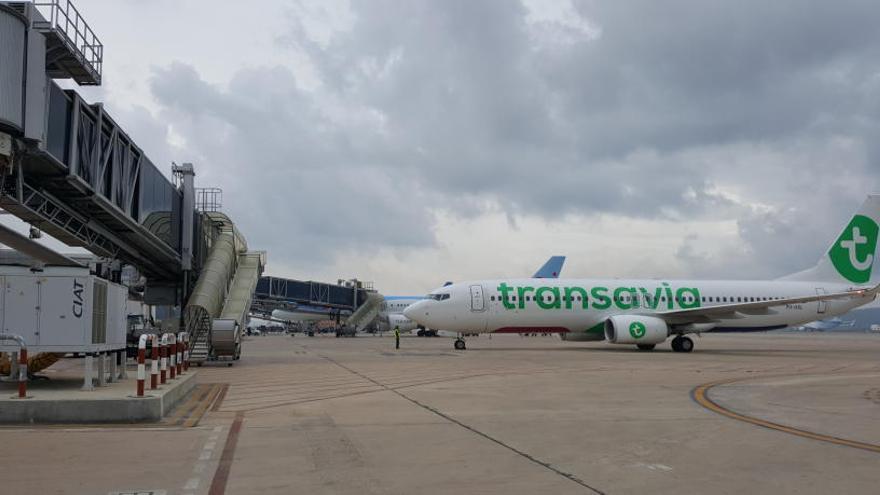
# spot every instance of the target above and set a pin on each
(79, 410)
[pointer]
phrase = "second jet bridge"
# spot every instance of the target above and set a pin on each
(358, 303)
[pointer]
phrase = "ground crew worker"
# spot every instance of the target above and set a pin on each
(397, 337)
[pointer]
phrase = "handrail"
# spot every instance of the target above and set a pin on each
(66, 19)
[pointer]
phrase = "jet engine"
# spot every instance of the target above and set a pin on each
(404, 323)
(635, 329)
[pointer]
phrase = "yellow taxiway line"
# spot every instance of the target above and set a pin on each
(701, 397)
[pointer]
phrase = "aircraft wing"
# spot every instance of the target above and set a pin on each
(551, 269)
(709, 314)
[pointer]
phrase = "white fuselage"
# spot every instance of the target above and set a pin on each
(582, 305)
(300, 316)
(391, 315)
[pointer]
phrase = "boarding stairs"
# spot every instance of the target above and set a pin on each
(366, 313)
(217, 309)
(199, 349)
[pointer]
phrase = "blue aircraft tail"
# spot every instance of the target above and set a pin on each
(551, 269)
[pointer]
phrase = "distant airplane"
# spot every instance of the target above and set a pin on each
(827, 324)
(647, 312)
(303, 313)
(392, 316)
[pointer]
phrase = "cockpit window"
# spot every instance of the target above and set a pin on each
(438, 297)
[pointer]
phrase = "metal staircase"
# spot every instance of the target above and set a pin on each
(217, 310)
(199, 331)
(360, 319)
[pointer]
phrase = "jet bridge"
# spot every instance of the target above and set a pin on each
(68, 169)
(356, 301)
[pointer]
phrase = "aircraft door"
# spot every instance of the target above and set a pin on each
(477, 301)
(821, 306)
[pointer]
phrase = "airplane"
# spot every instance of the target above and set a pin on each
(392, 316)
(826, 324)
(303, 314)
(647, 312)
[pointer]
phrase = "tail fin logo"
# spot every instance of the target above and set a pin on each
(853, 252)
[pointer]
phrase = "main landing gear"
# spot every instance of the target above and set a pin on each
(646, 347)
(682, 344)
(459, 344)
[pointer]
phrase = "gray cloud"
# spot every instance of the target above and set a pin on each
(459, 104)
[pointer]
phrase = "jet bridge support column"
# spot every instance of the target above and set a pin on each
(89, 364)
(186, 176)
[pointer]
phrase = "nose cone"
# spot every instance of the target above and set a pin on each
(416, 312)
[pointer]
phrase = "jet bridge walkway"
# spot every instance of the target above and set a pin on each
(357, 303)
(68, 169)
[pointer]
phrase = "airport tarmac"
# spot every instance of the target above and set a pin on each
(762, 413)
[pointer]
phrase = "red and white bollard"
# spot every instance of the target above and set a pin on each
(142, 371)
(163, 359)
(179, 347)
(154, 362)
(22, 373)
(141, 358)
(169, 356)
(172, 358)
(183, 352)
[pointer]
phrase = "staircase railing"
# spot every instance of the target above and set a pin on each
(65, 19)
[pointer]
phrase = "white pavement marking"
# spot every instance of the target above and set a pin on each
(192, 484)
(654, 467)
(199, 467)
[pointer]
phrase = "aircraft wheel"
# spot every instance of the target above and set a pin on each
(646, 347)
(459, 344)
(686, 344)
(676, 343)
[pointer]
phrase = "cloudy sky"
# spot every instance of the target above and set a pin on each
(412, 142)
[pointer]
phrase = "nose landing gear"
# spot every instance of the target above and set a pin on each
(459, 344)
(682, 344)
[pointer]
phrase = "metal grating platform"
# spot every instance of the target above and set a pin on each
(72, 49)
